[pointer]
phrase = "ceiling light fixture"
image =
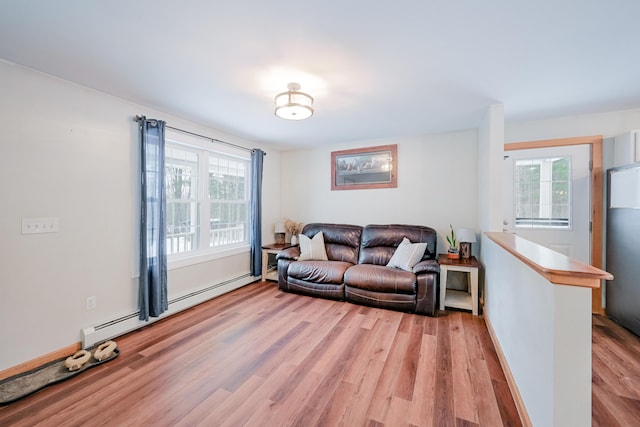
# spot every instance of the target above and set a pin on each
(293, 104)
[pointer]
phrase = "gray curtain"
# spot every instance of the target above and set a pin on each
(153, 256)
(257, 157)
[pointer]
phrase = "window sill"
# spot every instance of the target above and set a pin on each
(185, 261)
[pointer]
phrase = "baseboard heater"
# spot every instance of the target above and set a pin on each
(122, 325)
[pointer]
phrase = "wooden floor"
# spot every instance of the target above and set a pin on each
(261, 357)
(264, 358)
(616, 375)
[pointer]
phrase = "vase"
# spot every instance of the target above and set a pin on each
(453, 255)
(294, 240)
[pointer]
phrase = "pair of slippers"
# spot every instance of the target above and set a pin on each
(104, 351)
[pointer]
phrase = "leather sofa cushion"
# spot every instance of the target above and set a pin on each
(428, 266)
(318, 271)
(324, 290)
(341, 241)
(402, 302)
(380, 279)
(289, 253)
(379, 242)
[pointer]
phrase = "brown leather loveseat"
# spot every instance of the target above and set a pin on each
(356, 269)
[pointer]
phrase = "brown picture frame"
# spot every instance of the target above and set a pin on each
(365, 168)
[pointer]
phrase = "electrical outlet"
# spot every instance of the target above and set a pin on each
(91, 303)
(40, 225)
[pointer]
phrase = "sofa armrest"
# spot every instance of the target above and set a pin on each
(427, 293)
(426, 266)
(283, 273)
(291, 253)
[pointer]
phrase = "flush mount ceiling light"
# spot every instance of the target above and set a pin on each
(293, 104)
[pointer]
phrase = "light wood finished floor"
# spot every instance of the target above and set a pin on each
(261, 357)
(616, 375)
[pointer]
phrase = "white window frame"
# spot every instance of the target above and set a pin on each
(546, 184)
(205, 148)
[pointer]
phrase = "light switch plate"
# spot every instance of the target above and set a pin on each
(40, 225)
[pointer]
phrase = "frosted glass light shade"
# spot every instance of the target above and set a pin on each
(293, 104)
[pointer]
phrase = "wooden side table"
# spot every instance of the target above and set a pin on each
(269, 253)
(454, 298)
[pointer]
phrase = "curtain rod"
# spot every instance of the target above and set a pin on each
(138, 118)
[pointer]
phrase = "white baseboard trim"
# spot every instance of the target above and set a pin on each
(122, 325)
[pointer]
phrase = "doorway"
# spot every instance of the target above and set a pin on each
(596, 195)
(547, 198)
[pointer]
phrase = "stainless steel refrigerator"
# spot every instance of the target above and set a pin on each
(623, 246)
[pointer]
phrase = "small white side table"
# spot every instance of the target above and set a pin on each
(454, 298)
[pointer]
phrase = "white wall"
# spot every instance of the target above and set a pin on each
(609, 125)
(69, 152)
(436, 185)
(544, 332)
(490, 164)
(606, 124)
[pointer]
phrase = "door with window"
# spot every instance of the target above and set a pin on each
(547, 198)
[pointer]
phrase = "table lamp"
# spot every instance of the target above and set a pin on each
(466, 236)
(280, 232)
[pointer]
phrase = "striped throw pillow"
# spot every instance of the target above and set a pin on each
(312, 249)
(407, 255)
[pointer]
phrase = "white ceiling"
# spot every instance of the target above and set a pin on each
(376, 68)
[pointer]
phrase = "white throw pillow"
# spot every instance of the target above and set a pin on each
(312, 249)
(407, 255)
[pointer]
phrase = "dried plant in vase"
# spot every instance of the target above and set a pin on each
(293, 228)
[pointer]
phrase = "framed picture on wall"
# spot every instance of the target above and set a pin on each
(365, 168)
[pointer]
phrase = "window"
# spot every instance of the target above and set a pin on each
(183, 206)
(542, 193)
(228, 200)
(207, 197)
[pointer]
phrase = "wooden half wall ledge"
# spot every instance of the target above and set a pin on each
(557, 268)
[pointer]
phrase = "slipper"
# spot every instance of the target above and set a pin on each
(20, 385)
(76, 361)
(105, 350)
